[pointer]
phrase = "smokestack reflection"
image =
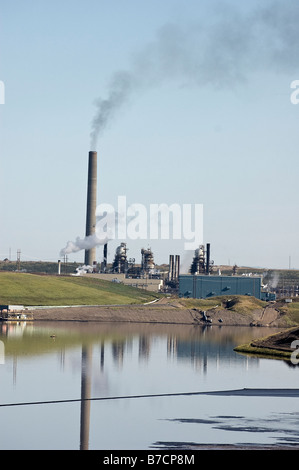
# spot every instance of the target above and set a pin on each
(171, 345)
(144, 346)
(102, 355)
(118, 350)
(85, 396)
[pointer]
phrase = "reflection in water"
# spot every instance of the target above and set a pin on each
(85, 396)
(144, 347)
(108, 360)
(194, 344)
(102, 355)
(171, 345)
(118, 350)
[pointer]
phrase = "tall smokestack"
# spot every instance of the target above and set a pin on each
(90, 255)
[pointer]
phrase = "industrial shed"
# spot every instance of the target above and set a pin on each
(203, 286)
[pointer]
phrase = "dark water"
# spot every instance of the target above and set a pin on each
(47, 368)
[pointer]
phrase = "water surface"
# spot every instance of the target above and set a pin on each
(58, 362)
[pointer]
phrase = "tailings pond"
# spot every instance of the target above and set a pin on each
(135, 386)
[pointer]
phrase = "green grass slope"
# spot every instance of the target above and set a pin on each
(35, 290)
(236, 303)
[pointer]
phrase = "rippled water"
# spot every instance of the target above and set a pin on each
(47, 368)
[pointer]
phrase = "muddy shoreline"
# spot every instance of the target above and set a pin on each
(159, 312)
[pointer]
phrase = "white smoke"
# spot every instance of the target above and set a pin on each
(106, 220)
(220, 54)
(273, 282)
(186, 262)
(83, 270)
(85, 243)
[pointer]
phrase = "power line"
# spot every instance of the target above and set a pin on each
(272, 392)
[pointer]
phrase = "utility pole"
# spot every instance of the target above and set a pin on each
(65, 263)
(19, 260)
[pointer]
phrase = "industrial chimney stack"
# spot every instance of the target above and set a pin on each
(90, 255)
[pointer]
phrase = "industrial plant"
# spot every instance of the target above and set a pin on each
(201, 281)
(123, 269)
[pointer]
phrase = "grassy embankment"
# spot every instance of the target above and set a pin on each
(237, 303)
(272, 351)
(35, 290)
(277, 346)
(268, 353)
(246, 305)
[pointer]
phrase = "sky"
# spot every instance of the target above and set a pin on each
(185, 103)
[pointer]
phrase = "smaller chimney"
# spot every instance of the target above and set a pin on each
(105, 257)
(171, 268)
(177, 267)
(208, 259)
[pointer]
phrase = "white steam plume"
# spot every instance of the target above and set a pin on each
(85, 243)
(273, 282)
(104, 231)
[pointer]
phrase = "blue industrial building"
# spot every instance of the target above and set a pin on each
(204, 286)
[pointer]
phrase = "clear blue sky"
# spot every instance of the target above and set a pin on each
(208, 120)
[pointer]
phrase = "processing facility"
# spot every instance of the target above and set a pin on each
(201, 282)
